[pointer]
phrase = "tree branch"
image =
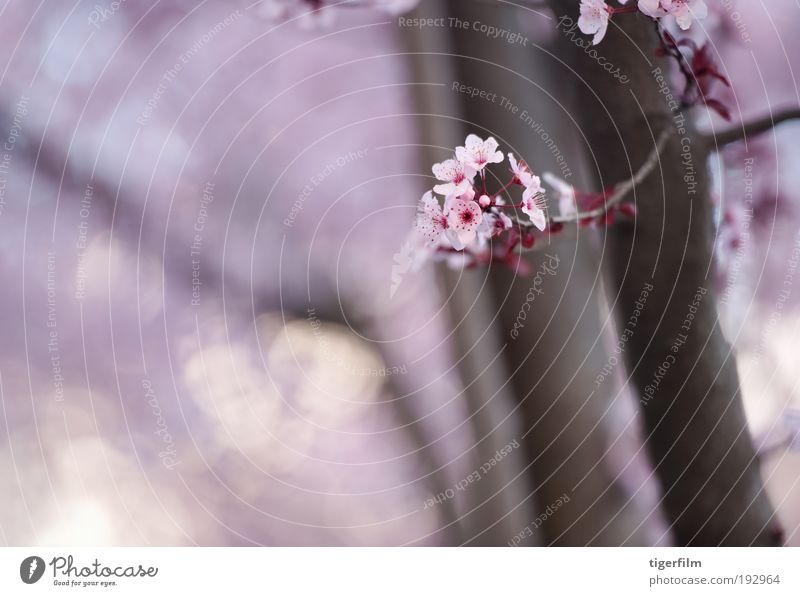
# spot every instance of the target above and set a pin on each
(622, 189)
(749, 129)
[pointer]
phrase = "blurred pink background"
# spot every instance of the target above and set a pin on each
(199, 345)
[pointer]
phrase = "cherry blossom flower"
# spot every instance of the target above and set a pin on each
(431, 222)
(477, 153)
(518, 169)
(532, 206)
(467, 195)
(463, 220)
(471, 227)
(595, 14)
(532, 188)
(531, 198)
(494, 224)
(521, 172)
(594, 19)
(565, 194)
(457, 175)
(684, 11)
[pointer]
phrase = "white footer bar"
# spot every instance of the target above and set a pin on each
(397, 572)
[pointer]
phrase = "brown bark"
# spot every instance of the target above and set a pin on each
(697, 434)
(490, 512)
(553, 361)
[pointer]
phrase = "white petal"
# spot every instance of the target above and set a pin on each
(473, 142)
(588, 24)
(445, 189)
(601, 33)
(538, 219)
(445, 170)
(496, 158)
(651, 8)
(454, 240)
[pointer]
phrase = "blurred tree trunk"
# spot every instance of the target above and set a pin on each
(497, 508)
(557, 355)
(542, 377)
(697, 433)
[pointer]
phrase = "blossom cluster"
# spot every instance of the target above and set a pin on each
(595, 14)
(694, 61)
(470, 216)
(461, 221)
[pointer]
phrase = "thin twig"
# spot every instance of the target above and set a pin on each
(681, 60)
(623, 188)
(750, 129)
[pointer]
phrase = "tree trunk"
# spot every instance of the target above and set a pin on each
(554, 359)
(493, 510)
(681, 365)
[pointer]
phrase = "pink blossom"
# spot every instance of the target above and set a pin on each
(456, 225)
(463, 220)
(495, 221)
(521, 171)
(431, 222)
(684, 11)
(594, 19)
(468, 220)
(457, 175)
(532, 206)
(467, 195)
(494, 224)
(533, 189)
(477, 153)
(453, 200)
